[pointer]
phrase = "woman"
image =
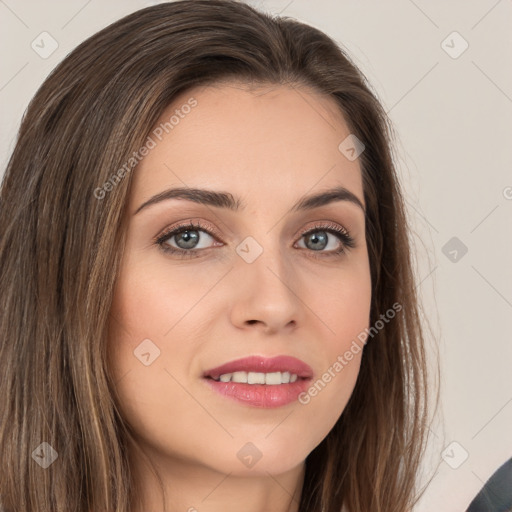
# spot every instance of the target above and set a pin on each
(207, 287)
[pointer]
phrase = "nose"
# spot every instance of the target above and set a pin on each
(266, 294)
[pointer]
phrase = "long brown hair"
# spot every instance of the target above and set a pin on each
(61, 246)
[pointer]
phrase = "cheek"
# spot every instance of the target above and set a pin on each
(328, 394)
(145, 298)
(146, 306)
(154, 301)
(153, 312)
(141, 313)
(342, 305)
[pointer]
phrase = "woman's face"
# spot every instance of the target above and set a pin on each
(247, 283)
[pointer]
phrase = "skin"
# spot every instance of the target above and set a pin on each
(269, 146)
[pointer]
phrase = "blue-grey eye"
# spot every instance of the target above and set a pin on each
(189, 238)
(318, 240)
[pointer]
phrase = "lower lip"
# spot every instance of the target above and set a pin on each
(261, 395)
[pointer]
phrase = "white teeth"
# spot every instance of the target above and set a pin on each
(239, 377)
(255, 378)
(272, 378)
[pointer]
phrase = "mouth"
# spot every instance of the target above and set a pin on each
(271, 379)
(261, 382)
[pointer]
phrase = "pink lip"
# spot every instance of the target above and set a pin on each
(261, 395)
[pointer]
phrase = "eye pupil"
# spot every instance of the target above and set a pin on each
(191, 237)
(319, 239)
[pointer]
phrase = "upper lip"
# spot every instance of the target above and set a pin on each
(263, 365)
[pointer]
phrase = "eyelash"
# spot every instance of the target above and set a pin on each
(347, 241)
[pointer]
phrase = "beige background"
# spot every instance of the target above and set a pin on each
(453, 117)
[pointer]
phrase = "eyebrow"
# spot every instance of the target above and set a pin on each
(221, 199)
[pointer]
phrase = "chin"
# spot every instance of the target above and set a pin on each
(260, 456)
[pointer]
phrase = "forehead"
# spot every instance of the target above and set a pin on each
(266, 141)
